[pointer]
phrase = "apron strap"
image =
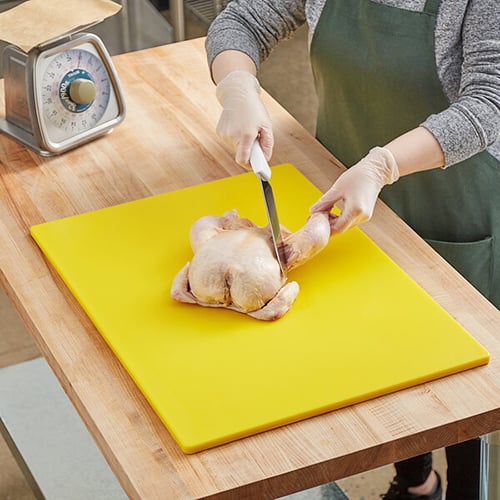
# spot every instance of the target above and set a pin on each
(432, 6)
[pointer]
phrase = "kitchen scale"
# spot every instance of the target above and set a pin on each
(61, 93)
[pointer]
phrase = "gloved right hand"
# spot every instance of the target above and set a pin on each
(244, 117)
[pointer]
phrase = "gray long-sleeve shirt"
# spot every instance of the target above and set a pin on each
(467, 41)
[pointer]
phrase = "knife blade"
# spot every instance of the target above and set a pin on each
(261, 168)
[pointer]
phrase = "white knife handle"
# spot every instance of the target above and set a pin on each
(258, 162)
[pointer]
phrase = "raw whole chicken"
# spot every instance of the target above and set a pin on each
(234, 264)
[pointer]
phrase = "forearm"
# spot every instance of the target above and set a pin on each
(231, 60)
(416, 151)
(357, 189)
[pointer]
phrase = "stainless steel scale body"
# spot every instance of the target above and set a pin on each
(60, 94)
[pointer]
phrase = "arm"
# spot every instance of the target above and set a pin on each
(253, 28)
(240, 37)
(472, 121)
(416, 151)
(231, 60)
(357, 189)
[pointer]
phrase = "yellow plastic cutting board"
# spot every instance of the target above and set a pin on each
(359, 328)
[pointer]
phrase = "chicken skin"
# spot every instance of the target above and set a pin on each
(234, 265)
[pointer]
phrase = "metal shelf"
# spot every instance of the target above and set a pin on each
(206, 10)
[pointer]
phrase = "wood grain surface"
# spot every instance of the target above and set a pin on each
(166, 142)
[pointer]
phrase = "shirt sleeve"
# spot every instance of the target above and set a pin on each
(253, 27)
(472, 122)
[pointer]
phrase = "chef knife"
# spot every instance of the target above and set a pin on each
(261, 168)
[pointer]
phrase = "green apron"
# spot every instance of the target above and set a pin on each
(376, 78)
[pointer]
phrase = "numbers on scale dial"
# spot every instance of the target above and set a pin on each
(75, 90)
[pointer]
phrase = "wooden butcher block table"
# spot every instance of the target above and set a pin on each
(166, 143)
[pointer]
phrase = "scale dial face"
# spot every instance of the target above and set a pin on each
(76, 93)
(62, 74)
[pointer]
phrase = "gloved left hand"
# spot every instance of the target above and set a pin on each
(357, 189)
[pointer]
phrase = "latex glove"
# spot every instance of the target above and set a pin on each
(244, 117)
(357, 189)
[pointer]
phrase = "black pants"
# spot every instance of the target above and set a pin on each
(462, 475)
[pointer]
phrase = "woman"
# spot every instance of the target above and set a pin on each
(409, 91)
